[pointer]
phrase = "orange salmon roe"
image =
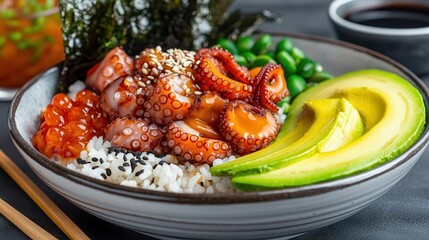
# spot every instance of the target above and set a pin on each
(67, 126)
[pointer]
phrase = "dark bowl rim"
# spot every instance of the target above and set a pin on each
(227, 198)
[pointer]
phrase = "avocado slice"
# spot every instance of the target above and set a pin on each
(392, 111)
(332, 124)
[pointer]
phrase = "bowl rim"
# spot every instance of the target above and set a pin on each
(339, 20)
(227, 198)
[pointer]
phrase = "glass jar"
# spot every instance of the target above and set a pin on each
(30, 42)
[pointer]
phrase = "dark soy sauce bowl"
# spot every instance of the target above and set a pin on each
(396, 28)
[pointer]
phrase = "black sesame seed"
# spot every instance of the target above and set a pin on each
(133, 164)
(121, 168)
(109, 150)
(81, 161)
(126, 164)
(103, 175)
(162, 155)
(95, 167)
(142, 162)
(201, 184)
(108, 172)
(139, 172)
(161, 162)
(145, 158)
(94, 159)
(101, 161)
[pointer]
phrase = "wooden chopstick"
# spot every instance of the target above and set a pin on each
(41, 199)
(22, 222)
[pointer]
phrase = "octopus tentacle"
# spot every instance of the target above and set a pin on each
(271, 86)
(134, 134)
(119, 98)
(248, 128)
(171, 99)
(208, 108)
(218, 71)
(194, 141)
(115, 64)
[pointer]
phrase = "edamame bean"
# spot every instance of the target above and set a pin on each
(320, 76)
(295, 84)
(272, 54)
(228, 45)
(262, 44)
(284, 45)
(287, 62)
(297, 54)
(306, 68)
(240, 60)
(284, 105)
(262, 60)
(245, 44)
(250, 57)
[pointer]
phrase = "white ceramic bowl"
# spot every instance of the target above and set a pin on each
(256, 215)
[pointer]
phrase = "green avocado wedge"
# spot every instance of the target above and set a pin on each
(393, 114)
(333, 123)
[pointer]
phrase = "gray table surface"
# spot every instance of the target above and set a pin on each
(401, 213)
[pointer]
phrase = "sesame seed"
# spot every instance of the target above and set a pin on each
(80, 161)
(142, 162)
(121, 168)
(139, 172)
(144, 71)
(150, 77)
(103, 176)
(155, 71)
(198, 92)
(108, 171)
(94, 159)
(141, 84)
(95, 167)
(101, 161)
(145, 65)
(139, 91)
(126, 164)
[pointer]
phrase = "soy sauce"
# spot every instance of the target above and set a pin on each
(393, 15)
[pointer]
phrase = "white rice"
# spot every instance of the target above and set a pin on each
(145, 170)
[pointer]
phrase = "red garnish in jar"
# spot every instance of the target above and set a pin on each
(67, 125)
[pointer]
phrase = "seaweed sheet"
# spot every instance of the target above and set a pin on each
(93, 27)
